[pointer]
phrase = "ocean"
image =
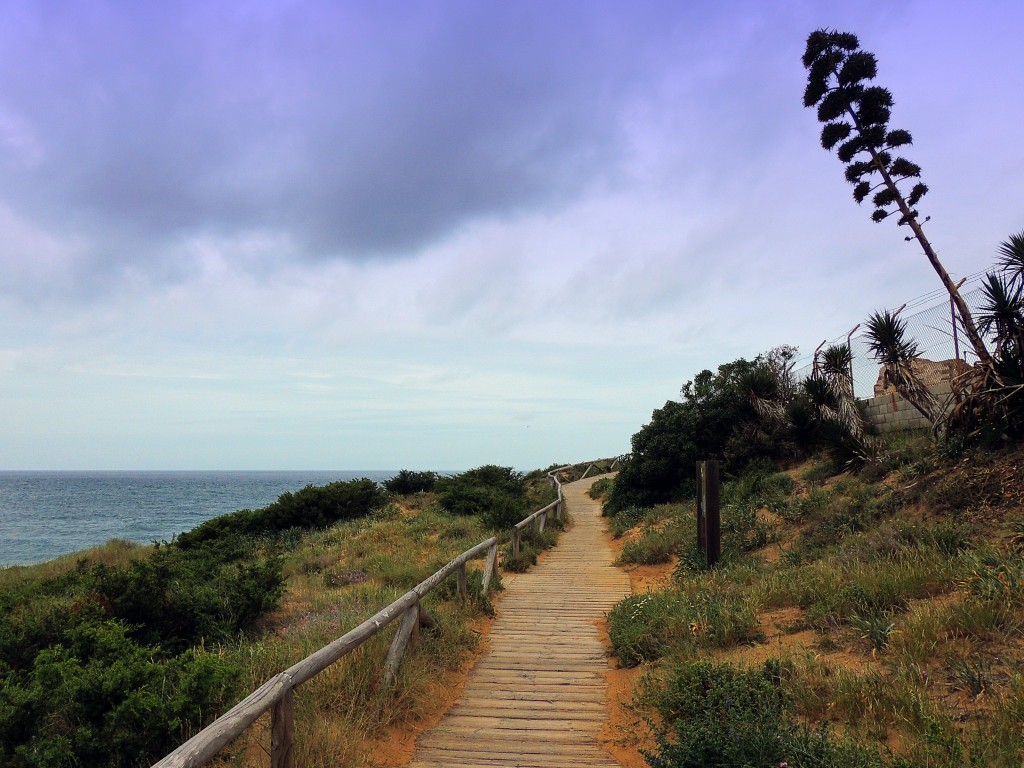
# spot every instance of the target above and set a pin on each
(47, 514)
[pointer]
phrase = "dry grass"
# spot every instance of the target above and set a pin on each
(336, 579)
(893, 605)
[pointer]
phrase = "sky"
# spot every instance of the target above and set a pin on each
(382, 235)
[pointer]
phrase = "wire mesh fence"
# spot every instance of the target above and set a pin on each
(936, 329)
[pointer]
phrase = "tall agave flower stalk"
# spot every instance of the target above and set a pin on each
(835, 369)
(887, 339)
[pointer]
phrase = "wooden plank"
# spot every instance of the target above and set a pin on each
(539, 694)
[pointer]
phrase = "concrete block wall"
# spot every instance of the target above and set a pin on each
(890, 413)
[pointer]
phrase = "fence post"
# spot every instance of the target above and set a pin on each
(516, 535)
(398, 645)
(460, 578)
(709, 520)
(543, 522)
(489, 568)
(282, 731)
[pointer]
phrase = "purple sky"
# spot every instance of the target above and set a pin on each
(438, 234)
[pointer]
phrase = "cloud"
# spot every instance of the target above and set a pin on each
(356, 131)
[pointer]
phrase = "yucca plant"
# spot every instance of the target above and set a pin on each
(1001, 314)
(993, 401)
(888, 342)
(836, 370)
(1010, 258)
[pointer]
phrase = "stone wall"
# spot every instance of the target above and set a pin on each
(890, 412)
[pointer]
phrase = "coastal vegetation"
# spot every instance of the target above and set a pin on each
(869, 618)
(115, 657)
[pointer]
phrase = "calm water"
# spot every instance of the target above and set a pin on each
(47, 514)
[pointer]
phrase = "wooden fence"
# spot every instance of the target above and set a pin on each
(277, 694)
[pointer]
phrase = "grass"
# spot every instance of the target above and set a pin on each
(336, 579)
(903, 592)
(116, 552)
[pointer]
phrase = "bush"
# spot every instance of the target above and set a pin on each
(497, 494)
(601, 488)
(531, 546)
(703, 613)
(717, 715)
(407, 482)
(181, 598)
(716, 410)
(308, 508)
(654, 546)
(103, 699)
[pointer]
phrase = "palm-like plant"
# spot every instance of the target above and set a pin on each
(822, 398)
(836, 371)
(1002, 312)
(1010, 258)
(888, 342)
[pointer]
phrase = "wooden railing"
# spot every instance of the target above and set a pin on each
(277, 694)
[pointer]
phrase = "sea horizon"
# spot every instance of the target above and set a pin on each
(49, 513)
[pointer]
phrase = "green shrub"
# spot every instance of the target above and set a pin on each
(103, 699)
(531, 545)
(718, 716)
(702, 613)
(601, 488)
(407, 482)
(497, 494)
(179, 598)
(654, 546)
(626, 519)
(309, 508)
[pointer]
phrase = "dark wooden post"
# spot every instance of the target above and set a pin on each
(282, 731)
(709, 520)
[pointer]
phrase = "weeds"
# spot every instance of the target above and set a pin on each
(972, 674)
(705, 613)
(934, 598)
(876, 627)
(655, 545)
(601, 488)
(720, 715)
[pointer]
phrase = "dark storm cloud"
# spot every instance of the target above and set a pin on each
(359, 129)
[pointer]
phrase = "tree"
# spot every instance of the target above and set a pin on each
(856, 118)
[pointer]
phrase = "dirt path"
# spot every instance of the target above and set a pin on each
(538, 697)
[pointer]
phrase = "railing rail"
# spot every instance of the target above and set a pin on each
(276, 695)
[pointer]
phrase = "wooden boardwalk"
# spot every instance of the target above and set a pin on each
(538, 696)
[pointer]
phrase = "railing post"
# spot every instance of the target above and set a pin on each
(516, 536)
(709, 521)
(460, 579)
(543, 521)
(282, 731)
(410, 618)
(489, 568)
